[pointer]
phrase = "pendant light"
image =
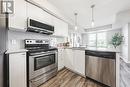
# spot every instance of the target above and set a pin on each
(76, 26)
(92, 21)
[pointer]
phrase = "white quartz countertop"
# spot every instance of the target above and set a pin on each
(15, 51)
(103, 49)
(94, 49)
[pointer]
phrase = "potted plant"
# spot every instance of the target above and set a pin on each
(116, 40)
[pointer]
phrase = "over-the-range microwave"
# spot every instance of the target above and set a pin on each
(39, 27)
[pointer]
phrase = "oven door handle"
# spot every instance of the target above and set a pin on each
(44, 54)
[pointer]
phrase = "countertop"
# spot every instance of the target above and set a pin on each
(15, 51)
(94, 49)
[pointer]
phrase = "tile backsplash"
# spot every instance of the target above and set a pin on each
(16, 38)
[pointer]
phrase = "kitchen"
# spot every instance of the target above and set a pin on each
(45, 43)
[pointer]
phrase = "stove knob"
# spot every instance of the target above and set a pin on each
(27, 41)
(30, 41)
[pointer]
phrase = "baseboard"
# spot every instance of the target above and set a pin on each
(75, 72)
(61, 69)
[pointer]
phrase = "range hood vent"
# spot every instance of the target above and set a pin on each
(39, 27)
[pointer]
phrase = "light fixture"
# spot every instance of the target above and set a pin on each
(76, 26)
(92, 21)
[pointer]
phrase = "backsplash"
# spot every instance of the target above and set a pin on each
(16, 38)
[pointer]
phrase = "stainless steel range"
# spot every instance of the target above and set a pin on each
(41, 62)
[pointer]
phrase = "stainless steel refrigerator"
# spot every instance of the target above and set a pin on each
(3, 44)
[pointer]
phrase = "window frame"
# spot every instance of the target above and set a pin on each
(96, 41)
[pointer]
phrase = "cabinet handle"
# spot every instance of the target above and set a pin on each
(23, 54)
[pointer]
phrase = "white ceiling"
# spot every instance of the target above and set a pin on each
(104, 12)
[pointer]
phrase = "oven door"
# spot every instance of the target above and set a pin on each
(42, 63)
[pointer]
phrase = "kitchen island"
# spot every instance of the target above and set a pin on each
(94, 49)
(103, 60)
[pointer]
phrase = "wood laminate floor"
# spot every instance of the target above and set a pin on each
(66, 78)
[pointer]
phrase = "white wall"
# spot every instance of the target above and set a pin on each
(129, 41)
(126, 44)
(122, 18)
(123, 21)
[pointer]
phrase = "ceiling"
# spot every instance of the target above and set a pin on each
(104, 12)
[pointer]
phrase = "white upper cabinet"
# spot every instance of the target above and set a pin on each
(17, 20)
(60, 58)
(64, 29)
(61, 28)
(38, 14)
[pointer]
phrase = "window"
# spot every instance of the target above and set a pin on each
(98, 40)
(101, 40)
(92, 40)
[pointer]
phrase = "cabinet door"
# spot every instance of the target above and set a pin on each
(18, 20)
(38, 14)
(64, 29)
(60, 59)
(57, 26)
(79, 61)
(61, 28)
(17, 70)
(69, 62)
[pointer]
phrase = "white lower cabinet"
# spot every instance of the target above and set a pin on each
(60, 59)
(79, 61)
(75, 60)
(68, 58)
(17, 70)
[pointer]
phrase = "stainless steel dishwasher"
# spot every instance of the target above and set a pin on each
(100, 66)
